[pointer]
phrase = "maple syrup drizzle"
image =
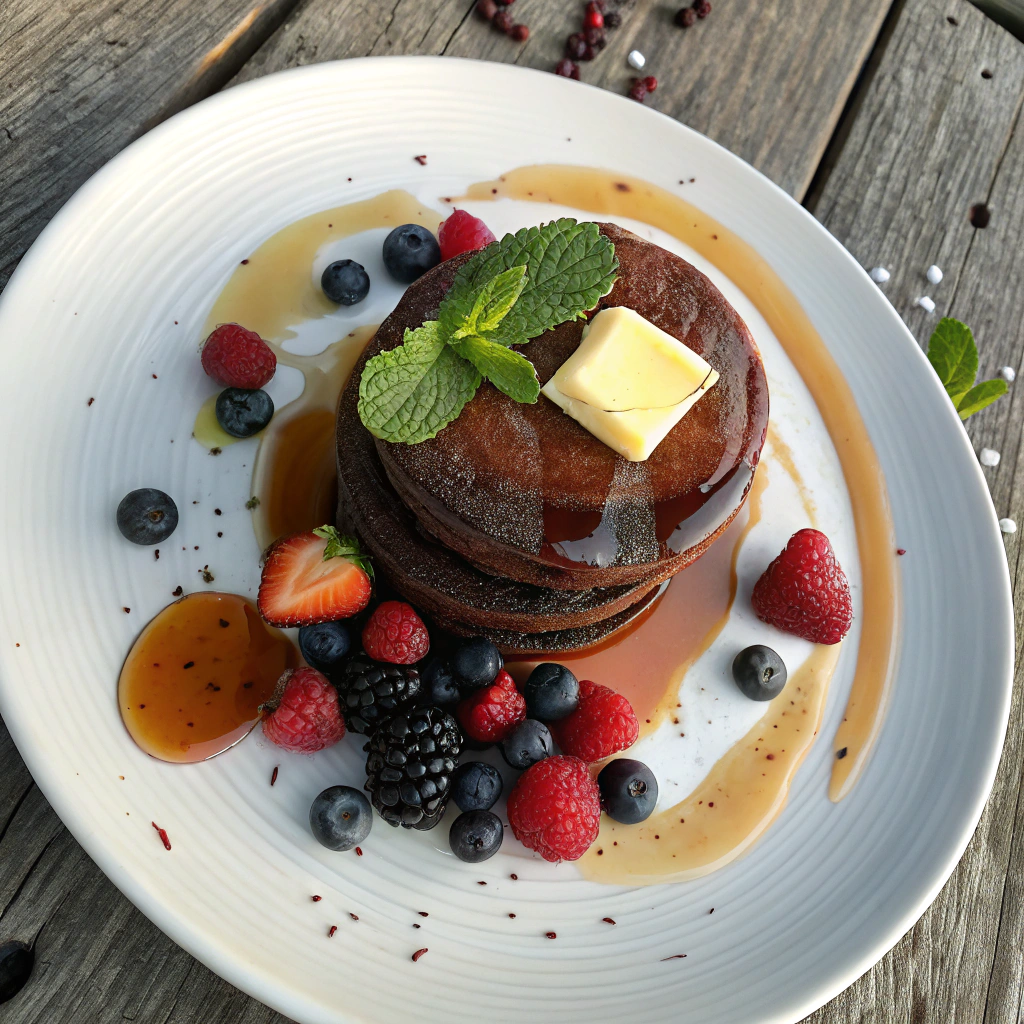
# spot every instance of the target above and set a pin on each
(603, 192)
(193, 681)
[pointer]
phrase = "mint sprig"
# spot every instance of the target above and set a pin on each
(954, 357)
(512, 291)
(341, 545)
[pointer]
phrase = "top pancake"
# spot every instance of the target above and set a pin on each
(524, 491)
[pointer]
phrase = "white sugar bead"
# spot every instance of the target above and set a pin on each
(926, 304)
(934, 274)
(988, 457)
(1008, 373)
(636, 59)
(1007, 526)
(879, 275)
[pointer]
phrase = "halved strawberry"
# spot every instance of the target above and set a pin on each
(314, 577)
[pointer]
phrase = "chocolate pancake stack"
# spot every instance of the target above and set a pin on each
(518, 524)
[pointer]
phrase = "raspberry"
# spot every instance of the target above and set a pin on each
(396, 634)
(238, 358)
(567, 69)
(638, 90)
(555, 808)
(805, 592)
(304, 714)
(490, 714)
(462, 232)
(602, 725)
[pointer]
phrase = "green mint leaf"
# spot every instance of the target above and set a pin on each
(508, 371)
(954, 356)
(570, 266)
(981, 395)
(493, 302)
(341, 545)
(409, 393)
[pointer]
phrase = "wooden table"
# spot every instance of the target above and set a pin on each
(887, 119)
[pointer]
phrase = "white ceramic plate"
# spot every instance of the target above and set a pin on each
(116, 289)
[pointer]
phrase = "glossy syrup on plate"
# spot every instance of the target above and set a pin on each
(193, 682)
(603, 192)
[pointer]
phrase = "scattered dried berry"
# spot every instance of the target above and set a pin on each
(595, 37)
(685, 17)
(332, 930)
(593, 19)
(702, 8)
(273, 775)
(638, 90)
(419, 953)
(503, 22)
(568, 69)
(575, 46)
(612, 19)
(162, 833)
(487, 9)
(520, 33)
(651, 82)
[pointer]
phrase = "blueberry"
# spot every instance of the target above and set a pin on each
(345, 282)
(410, 251)
(629, 790)
(325, 645)
(340, 818)
(551, 692)
(147, 516)
(475, 836)
(439, 684)
(16, 963)
(528, 743)
(759, 672)
(243, 413)
(475, 663)
(476, 786)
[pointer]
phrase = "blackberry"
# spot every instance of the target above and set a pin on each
(409, 766)
(370, 690)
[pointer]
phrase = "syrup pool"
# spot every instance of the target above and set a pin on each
(193, 682)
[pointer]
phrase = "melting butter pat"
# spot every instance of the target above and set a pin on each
(629, 382)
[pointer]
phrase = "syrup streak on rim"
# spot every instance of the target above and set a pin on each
(602, 192)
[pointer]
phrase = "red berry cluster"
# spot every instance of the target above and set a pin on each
(590, 40)
(641, 87)
(498, 14)
(686, 16)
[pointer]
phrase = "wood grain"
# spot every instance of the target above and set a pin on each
(766, 80)
(82, 78)
(928, 137)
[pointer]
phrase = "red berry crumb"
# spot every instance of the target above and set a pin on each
(502, 21)
(462, 232)
(520, 33)
(555, 808)
(603, 724)
(305, 716)
(702, 8)
(593, 19)
(490, 714)
(567, 69)
(396, 634)
(237, 358)
(685, 17)
(805, 591)
(638, 90)
(651, 82)
(487, 9)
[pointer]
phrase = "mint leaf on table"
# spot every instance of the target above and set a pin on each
(341, 545)
(493, 302)
(981, 395)
(504, 295)
(954, 357)
(410, 392)
(509, 371)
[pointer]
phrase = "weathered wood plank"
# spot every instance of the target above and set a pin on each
(82, 78)
(768, 81)
(928, 138)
